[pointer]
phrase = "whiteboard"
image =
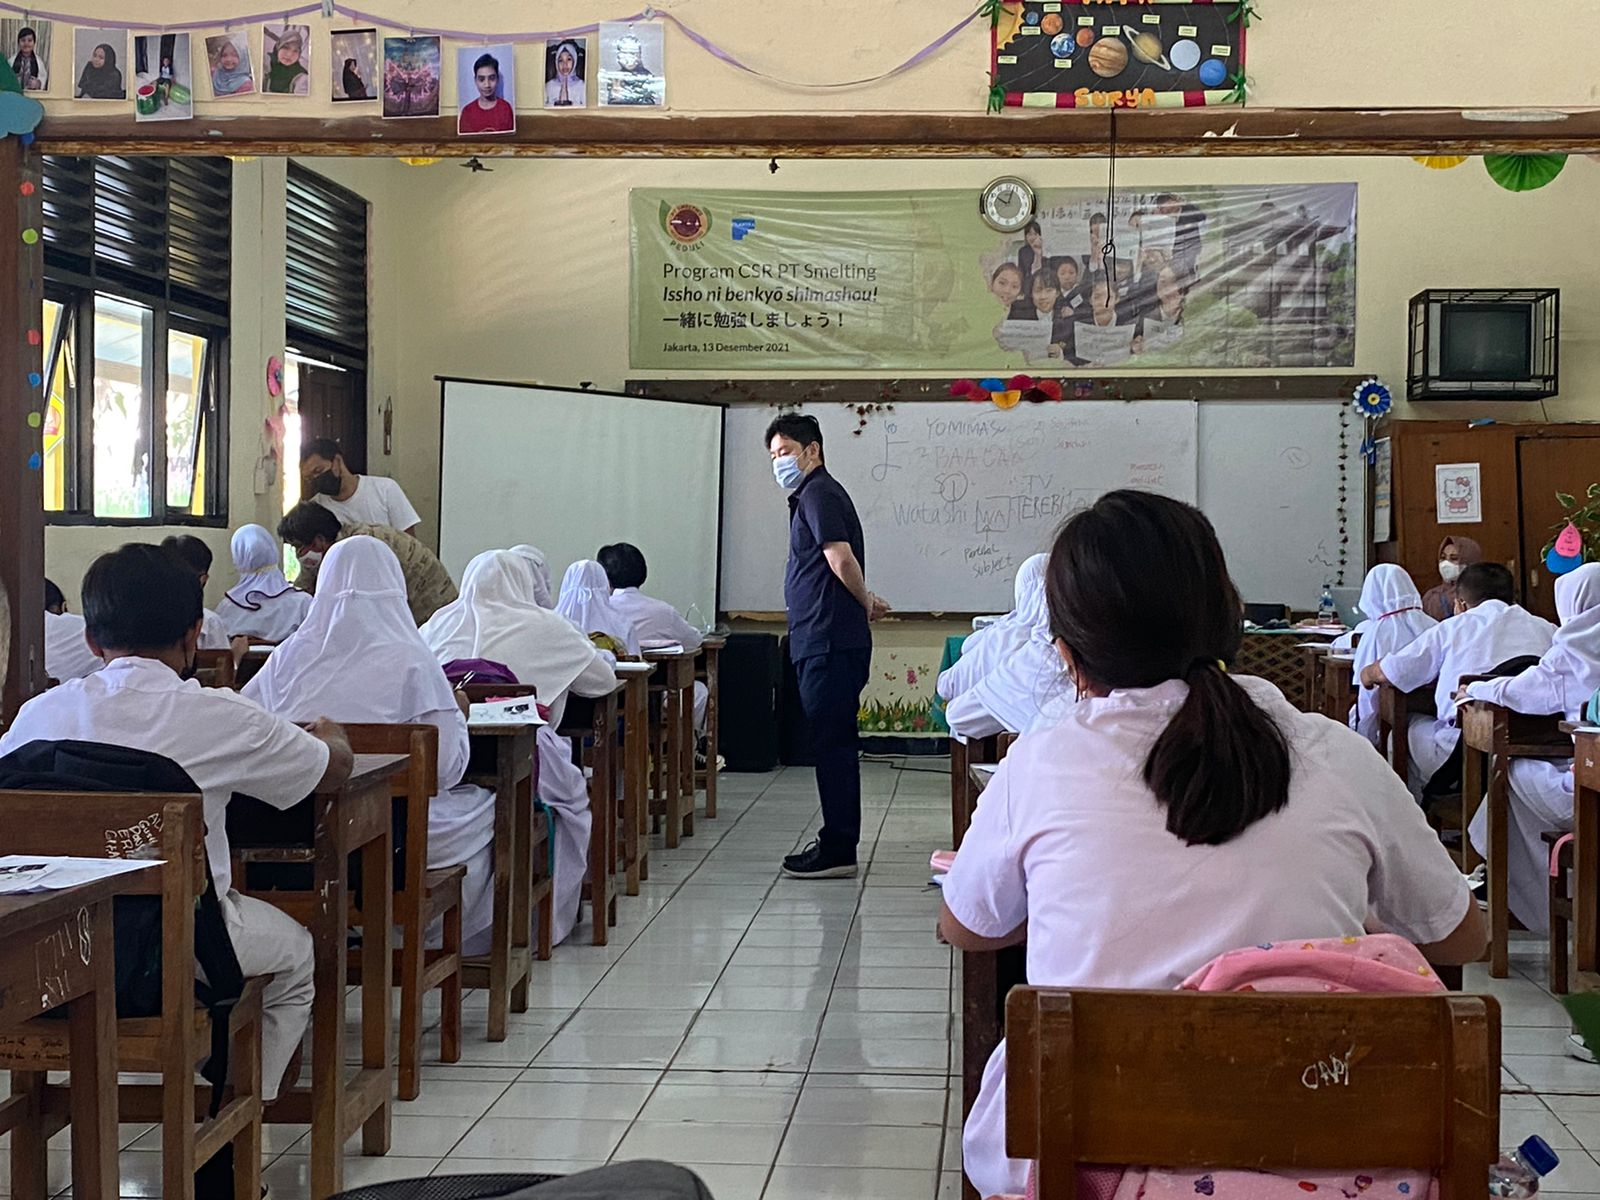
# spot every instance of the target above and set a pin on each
(952, 497)
(1276, 486)
(569, 471)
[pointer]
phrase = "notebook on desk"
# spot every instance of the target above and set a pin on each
(518, 710)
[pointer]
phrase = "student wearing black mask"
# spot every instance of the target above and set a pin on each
(327, 480)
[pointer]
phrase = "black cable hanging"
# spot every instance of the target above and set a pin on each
(1108, 252)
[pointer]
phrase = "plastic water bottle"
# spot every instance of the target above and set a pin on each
(1327, 611)
(1518, 1172)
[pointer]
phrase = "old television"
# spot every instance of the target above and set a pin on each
(1484, 344)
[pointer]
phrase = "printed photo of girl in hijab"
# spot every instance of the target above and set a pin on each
(27, 46)
(228, 64)
(95, 58)
(287, 53)
(564, 73)
(355, 64)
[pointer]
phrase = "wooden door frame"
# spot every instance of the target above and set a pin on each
(1226, 130)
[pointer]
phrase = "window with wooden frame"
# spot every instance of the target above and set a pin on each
(136, 304)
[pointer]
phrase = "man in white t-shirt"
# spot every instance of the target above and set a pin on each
(653, 620)
(354, 499)
(1486, 631)
(142, 612)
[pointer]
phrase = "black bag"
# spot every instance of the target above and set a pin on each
(73, 766)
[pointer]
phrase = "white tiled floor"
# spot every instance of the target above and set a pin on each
(787, 1040)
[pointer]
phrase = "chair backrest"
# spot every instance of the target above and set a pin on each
(477, 693)
(414, 784)
(1265, 1080)
(214, 668)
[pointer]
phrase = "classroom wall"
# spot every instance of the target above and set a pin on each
(1302, 53)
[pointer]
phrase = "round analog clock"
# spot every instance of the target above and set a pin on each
(1007, 204)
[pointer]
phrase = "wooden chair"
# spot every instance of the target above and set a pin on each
(1585, 894)
(1560, 847)
(1395, 710)
(708, 671)
(214, 668)
(1237, 1080)
(169, 828)
(591, 724)
(421, 897)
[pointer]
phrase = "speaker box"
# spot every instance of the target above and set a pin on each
(751, 672)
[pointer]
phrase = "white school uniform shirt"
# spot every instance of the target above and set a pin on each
(983, 650)
(1470, 643)
(1397, 620)
(213, 632)
(1068, 838)
(376, 501)
(655, 620)
(66, 653)
(224, 742)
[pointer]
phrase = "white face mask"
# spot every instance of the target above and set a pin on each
(311, 558)
(1449, 571)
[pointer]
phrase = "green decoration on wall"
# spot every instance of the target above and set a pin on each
(1523, 172)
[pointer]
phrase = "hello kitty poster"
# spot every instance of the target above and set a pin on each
(1459, 496)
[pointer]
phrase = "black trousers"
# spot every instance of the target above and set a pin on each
(830, 694)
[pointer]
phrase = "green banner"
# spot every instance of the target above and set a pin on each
(1210, 277)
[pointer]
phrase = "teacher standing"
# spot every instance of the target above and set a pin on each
(830, 643)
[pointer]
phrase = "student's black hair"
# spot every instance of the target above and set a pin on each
(28, 31)
(624, 564)
(1139, 592)
(305, 522)
(189, 550)
(1032, 227)
(802, 427)
(1169, 198)
(1005, 266)
(319, 448)
(1486, 581)
(1045, 275)
(54, 599)
(140, 597)
(1066, 261)
(486, 60)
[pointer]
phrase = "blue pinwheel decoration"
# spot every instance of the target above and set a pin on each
(1373, 399)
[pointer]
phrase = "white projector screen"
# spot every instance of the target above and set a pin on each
(569, 470)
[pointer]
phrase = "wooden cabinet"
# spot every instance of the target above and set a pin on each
(1521, 468)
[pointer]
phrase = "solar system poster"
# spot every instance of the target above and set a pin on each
(1078, 54)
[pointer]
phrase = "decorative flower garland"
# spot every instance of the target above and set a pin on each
(1007, 393)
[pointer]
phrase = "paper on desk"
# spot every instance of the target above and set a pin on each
(661, 645)
(35, 873)
(519, 710)
(987, 770)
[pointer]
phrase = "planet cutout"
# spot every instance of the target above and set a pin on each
(1213, 73)
(1085, 37)
(1184, 55)
(1051, 24)
(1147, 47)
(1108, 57)
(1031, 18)
(1063, 45)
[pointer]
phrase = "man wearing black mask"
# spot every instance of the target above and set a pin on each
(354, 499)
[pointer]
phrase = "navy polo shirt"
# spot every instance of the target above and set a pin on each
(823, 615)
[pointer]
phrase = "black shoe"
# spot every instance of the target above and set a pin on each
(816, 862)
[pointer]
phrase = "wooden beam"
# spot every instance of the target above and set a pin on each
(21, 486)
(1148, 133)
(1325, 386)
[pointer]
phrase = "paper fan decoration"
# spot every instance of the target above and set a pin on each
(1567, 554)
(1523, 172)
(1439, 162)
(1372, 398)
(274, 376)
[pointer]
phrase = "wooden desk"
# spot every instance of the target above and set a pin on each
(504, 757)
(963, 788)
(708, 669)
(55, 949)
(1274, 655)
(1586, 855)
(1491, 736)
(353, 819)
(636, 771)
(595, 719)
(1338, 686)
(674, 798)
(1312, 655)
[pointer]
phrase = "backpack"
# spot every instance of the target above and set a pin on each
(74, 766)
(480, 670)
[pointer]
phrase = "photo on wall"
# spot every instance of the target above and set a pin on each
(98, 56)
(162, 77)
(27, 50)
(632, 68)
(411, 71)
(486, 90)
(566, 72)
(228, 65)
(354, 61)
(286, 60)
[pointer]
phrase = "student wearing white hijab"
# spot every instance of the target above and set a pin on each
(1486, 631)
(542, 591)
(497, 617)
(1396, 620)
(988, 647)
(263, 605)
(66, 649)
(358, 654)
(1566, 675)
(586, 602)
(1024, 688)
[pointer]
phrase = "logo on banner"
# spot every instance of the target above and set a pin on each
(685, 223)
(742, 227)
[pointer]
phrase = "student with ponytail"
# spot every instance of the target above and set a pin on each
(1177, 812)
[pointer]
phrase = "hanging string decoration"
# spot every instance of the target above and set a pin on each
(1343, 559)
